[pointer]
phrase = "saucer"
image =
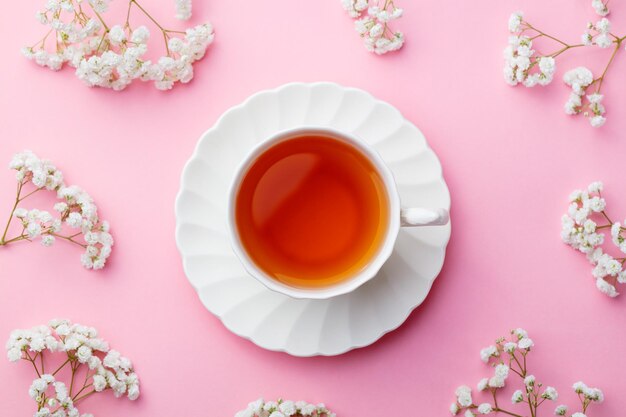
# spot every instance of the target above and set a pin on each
(274, 321)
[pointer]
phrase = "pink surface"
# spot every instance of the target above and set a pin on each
(510, 156)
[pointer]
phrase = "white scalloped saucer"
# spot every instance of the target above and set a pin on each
(275, 321)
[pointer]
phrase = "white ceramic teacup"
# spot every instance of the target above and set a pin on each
(398, 216)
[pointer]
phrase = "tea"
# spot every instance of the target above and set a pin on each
(311, 211)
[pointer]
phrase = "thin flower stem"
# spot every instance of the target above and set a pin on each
(607, 218)
(500, 410)
(17, 201)
(106, 28)
(87, 395)
(163, 30)
(130, 5)
(42, 42)
(69, 239)
(85, 386)
(16, 239)
(61, 367)
(522, 372)
(72, 379)
(545, 34)
(564, 49)
(618, 45)
(29, 194)
(147, 14)
(34, 364)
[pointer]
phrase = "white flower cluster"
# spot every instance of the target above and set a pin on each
(509, 356)
(520, 59)
(76, 209)
(60, 400)
(113, 57)
(183, 9)
(106, 369)
(584, 234)
(602, 35)
(579, 79)
(522, 66)
(600, 7)
(281, 408)
(374, 26)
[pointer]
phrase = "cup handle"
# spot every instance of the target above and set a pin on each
(415, 216)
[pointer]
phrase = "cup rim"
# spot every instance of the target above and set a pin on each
(375, 264)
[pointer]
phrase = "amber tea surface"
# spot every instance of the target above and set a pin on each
(311, 211)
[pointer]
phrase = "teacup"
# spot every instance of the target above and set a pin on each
(314, 213)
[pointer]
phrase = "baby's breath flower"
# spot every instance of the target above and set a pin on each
(531, 394)
(81, 345)
(374, 26)
(120, 59)
(580, 232)
(76, 210)
(281, 408)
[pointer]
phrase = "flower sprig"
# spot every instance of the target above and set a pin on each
(282, 408)
(584, 234)
(526, 66)
(85, 353)
(112, 56)
(374, 28)
(509, 357)
(75, 210)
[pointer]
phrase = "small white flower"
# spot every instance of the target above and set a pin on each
(482, 384)
(550, 393)
(606, 288)
(600, 7)
(488, 352)
(140, 35)
(525, 343)
(502, 371)
(117, 35)
(517, 397)
(464, 395)
(515, 22)
(485, 408)
(561, 410)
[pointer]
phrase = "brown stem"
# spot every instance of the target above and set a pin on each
(61, 367)
(69, 239)
(500, 410)
(101, 20)
(617, 46)
(33, 362)
(72, 379)
(17, 201)
(84, 396)
(564, 49)
(29, 194)
(545, 34)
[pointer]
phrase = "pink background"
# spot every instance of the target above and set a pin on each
(510, 156)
